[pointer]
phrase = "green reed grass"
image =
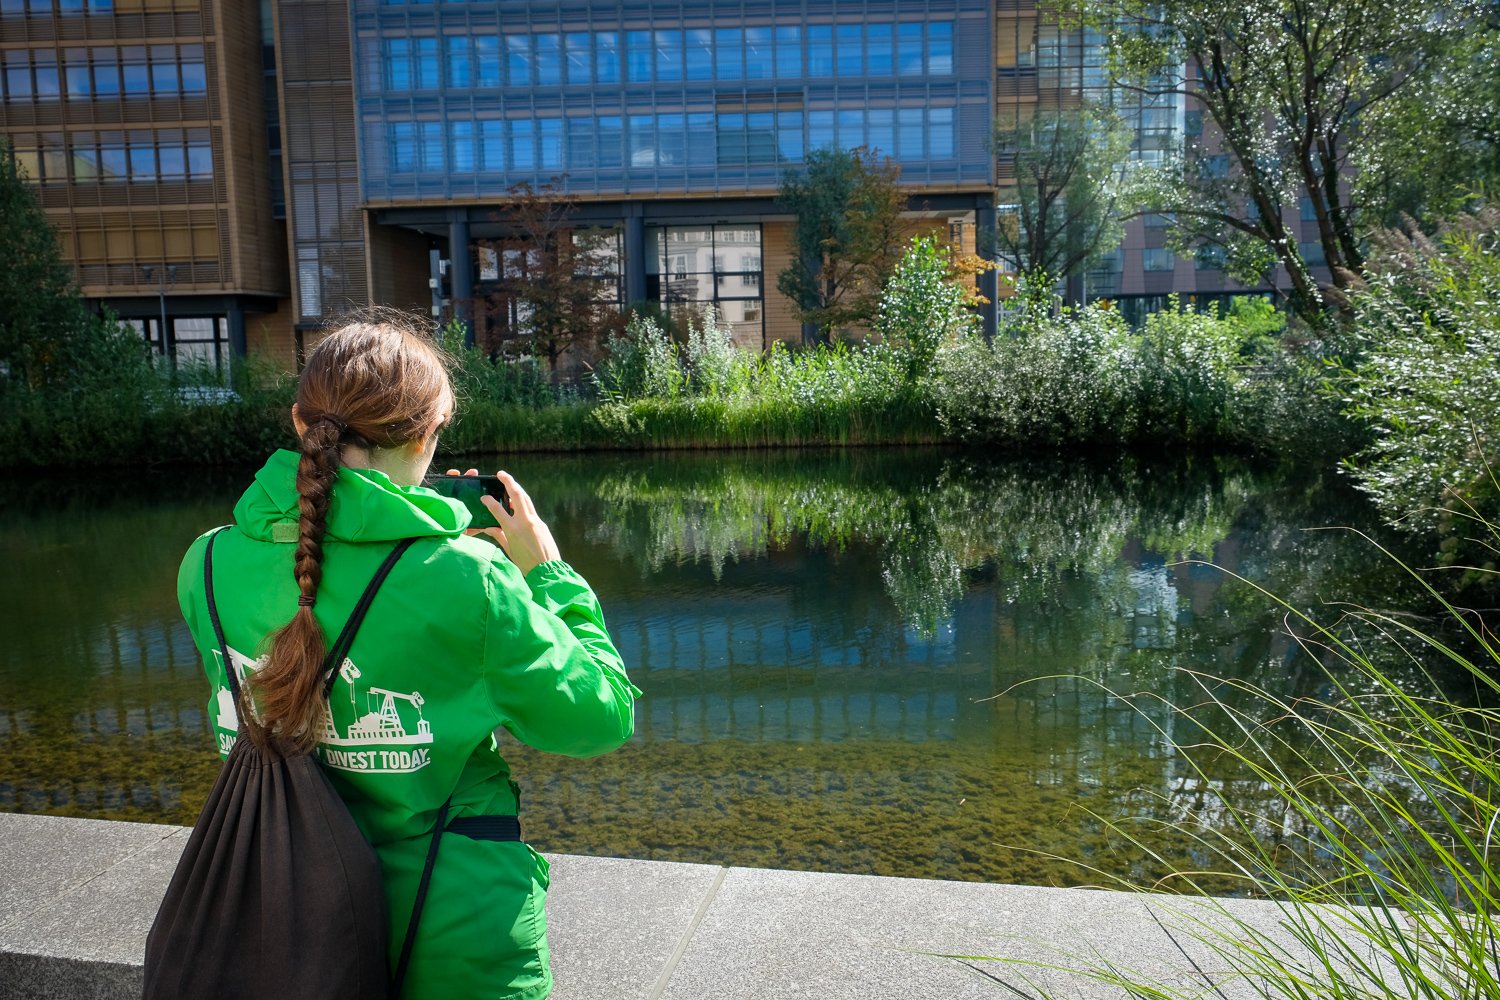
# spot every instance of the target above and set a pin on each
(1377, 833)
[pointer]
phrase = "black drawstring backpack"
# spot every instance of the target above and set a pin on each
(278, 894)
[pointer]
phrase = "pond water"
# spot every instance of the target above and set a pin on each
(882, 662)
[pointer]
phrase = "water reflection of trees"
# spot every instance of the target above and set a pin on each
(831, 645)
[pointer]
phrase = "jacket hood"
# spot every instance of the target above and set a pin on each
(366, 506)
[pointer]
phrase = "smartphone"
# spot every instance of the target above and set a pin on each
(469, 489)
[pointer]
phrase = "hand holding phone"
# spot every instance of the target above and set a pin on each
(518, 530)
(468, 489)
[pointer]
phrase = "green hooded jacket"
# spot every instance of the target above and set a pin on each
(456, 644)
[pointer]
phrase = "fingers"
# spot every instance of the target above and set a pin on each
(455, 472)
(520, 500)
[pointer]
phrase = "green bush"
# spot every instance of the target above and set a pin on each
(1084, 378)
(1423, 375)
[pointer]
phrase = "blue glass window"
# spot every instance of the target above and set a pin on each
(579, 57)
(429, 68)
(548, 60)
(492, 145)
(700, 126)
(940, 48)
(460, 61)
(487, 60)
(17, 75)
(700, 54)
(669, 56)
(819, 130)
(134, 71)
(819, 50)
(881, 49)
(789, 53)
(461, 147)
(909, 48)
(194, 79)
(550, 143)
(518, 60)
(911, 134)
(46, 76)
(173, 162)
(881, 135)
(851, 61)
(113, 165)
(397, 64)
(758, 60)
(761, 137)
(638, 52)
(431, 136)
(642, 141)
(76, 74)
(163, 71)
(200, 161)
(851, 129)
(522, 145)
(789, 136)
(729, 46)
(671, 140)
(731, 140)
(107, 73)
(66, 7)
(607, 57)
(940, 133)
(611, 141)
(142, 158)
(85, 164)
(580, 143)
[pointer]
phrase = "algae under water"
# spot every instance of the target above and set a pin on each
(884, 662)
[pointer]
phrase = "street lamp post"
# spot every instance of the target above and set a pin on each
(168, 278)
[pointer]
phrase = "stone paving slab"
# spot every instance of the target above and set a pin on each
(778, 935)
(77, 898)
(614, 924)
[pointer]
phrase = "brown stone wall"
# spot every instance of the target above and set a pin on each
(271, 336)
(776, 256)
(398, 268)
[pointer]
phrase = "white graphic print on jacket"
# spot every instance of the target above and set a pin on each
(388, 736)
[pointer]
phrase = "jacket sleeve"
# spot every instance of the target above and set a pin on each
(553, 673)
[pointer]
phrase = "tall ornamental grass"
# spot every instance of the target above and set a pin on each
(1373, 821)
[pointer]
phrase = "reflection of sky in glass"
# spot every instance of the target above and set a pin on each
(863, 662)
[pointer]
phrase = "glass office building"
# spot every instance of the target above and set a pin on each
(674, 122)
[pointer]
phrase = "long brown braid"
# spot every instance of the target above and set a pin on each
(374, 385)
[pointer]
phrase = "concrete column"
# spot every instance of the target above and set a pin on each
(237, 347)
(986, 244)
(635, 254)
(461, 273)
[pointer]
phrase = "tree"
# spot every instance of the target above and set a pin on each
(557, 278)
(847, 236)
(922, 307)
(1066, 165)
(1297, 91)
(42, 318)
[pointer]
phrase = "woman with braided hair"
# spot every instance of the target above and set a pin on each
(470, 631)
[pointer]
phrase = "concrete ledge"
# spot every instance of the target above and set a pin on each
(77, 898)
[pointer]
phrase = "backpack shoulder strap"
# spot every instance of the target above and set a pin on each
(213, 611)
(345, 641)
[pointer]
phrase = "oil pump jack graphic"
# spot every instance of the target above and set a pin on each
(382, 722)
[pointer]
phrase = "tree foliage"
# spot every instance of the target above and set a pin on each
(555, 293)
(847, 236)
(1425, 380)
(922, 309)
(1066, 165)
(1302, 95)
(43, 322)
